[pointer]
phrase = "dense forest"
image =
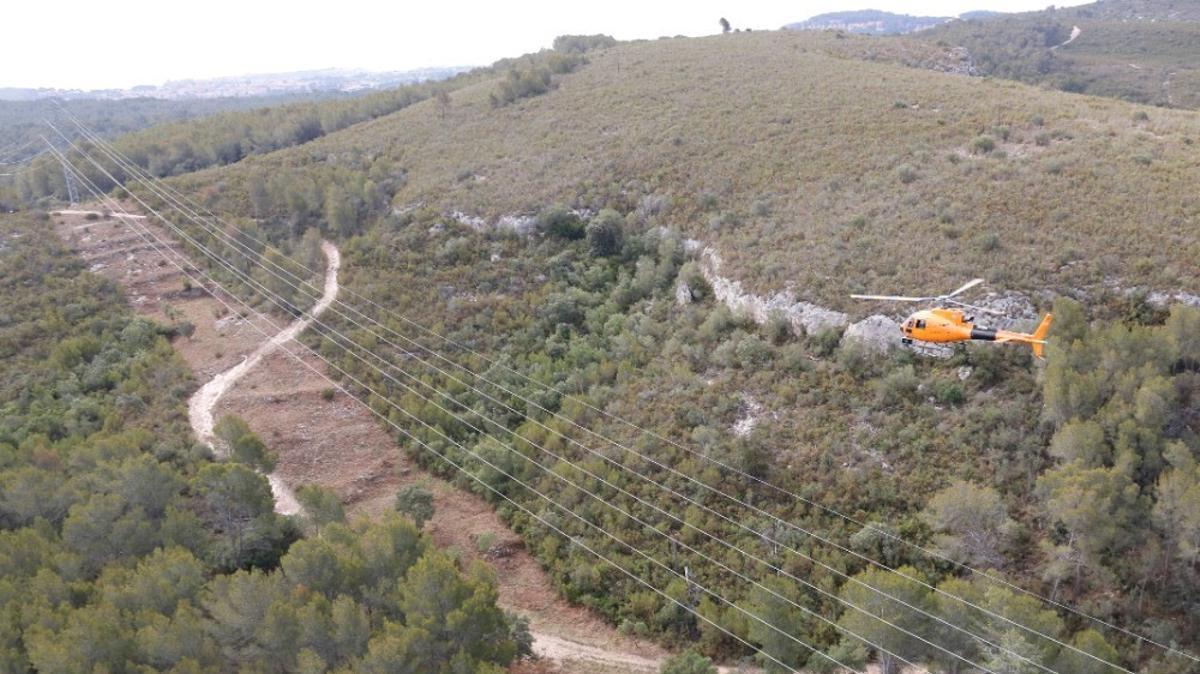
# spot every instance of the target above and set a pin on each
(125, 547)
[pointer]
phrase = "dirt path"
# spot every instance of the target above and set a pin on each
(203, 401)
(327, 438)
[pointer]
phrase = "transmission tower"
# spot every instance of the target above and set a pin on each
(72, 188)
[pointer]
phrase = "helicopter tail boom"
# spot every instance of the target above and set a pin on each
(1036, 341)
(1039, 336)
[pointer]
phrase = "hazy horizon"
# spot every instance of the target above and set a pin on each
(138, 43)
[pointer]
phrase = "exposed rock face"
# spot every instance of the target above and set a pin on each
(751, 412)
(802, 315)
(1018, 311)
(683, 294)
(523, 225)
(473, 221)
(1161, 299)
(878, 333)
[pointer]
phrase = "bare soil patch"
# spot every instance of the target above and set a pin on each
(338, 443)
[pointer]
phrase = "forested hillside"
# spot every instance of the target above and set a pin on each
(973, 466)
(540, 221)
(125, 547)
(1136, 50)
(181, 147)
(529, 245)
(221, 139)
(22, 125)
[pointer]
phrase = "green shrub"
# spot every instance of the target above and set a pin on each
(949, 392)
(983, 145)
(688, 662)
(855, 359)
(559, 221)
(521, 84)
(415, 501)
(578, 44)
(777, 328)
(485, 541)
(826, 340)
(561, 64)
(604, 233)
(989, 242)
(898, 386)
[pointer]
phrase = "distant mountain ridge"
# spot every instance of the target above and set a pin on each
(869, 22)
(261, 84)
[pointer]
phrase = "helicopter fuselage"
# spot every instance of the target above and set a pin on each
(940, 325)
(944, 325)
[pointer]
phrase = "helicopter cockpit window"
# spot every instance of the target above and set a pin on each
(920, 323)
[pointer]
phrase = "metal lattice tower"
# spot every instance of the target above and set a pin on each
(72, 188)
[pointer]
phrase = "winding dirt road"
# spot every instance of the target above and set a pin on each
(202, 402)
(337, 443)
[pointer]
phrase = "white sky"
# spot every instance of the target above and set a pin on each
(87, 44)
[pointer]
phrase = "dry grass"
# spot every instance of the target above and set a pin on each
(810, 170)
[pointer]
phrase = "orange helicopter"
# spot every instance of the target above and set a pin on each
(940, 325)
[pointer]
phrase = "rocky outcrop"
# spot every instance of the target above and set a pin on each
(877, 333)
(804, 317)
(1161, 299)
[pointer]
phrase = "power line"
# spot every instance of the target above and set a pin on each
(326, 331)
(283, 304)
(252, 258)
(984, 610)
(532, 490)
(759, 511)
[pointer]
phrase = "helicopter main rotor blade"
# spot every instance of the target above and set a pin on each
(891, 298)
(965, 287)
(977, 308)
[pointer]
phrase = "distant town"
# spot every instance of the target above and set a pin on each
(264, 84)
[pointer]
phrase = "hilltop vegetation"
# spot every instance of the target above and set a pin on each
(221, 139)
(125, 547)
(1142, 51)
(805, 169)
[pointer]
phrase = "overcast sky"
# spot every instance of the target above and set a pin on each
(87, 44)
